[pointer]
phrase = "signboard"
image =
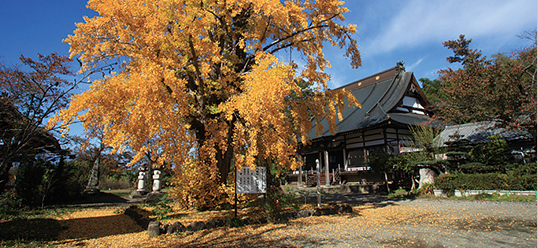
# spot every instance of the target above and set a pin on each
(251, 182)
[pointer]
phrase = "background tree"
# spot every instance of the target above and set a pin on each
(111, 167)
(382, 163)
(422, 158)
(201, 82)
(29, 96)
(502, 88)
(433, 91)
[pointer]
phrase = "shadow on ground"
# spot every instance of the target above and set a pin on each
(101, 198)
(47, 229)
(40, 229)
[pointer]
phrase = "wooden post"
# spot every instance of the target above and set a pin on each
(318, 186)
(345, 159)
(235, 191)
(327, 179)
(300, 179)
(364, 149)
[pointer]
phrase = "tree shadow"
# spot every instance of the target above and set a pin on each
(39, 229)
(70, 230)
(358, 199)
(228, 237)
(99, 199)
(97, 227)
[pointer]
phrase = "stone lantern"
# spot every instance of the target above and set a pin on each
(141, 177)
(156, 181)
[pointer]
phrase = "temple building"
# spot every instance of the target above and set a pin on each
(391, 101)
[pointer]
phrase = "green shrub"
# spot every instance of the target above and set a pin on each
(398, 193)
(522, 177)
(10, 205)
(115, 183)
(426, 189)
(162, 208)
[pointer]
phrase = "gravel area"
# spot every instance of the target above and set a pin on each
(423, 223)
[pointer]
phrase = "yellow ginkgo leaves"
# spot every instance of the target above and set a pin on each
(201, 79)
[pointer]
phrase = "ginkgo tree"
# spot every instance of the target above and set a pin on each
(201, 80)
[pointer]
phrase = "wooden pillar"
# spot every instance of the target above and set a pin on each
(398, 141)
(385, 139)
(345, 159)
(364, 149)
(300, 179)
(327, 178)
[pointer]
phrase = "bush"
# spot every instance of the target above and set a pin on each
(398, 193)
(427, 189)
(112, 183)
(523, 177)
(162, 208)
(29, 180)
(10, 205)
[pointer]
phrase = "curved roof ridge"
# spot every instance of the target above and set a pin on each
(384, 93)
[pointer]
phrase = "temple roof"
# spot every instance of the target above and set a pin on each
(381, 96)
(478, 132)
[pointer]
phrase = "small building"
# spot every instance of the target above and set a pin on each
(391, 101)
(521, 143)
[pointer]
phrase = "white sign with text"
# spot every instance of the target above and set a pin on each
(251, 182)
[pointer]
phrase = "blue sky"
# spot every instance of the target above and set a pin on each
(387, 31)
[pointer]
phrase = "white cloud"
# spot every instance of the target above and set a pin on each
(414, 65)
(419, 22)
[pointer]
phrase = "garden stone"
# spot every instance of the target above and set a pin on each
(305, 213)
(196, 226)
(211, 224)
(167, 228)
(153, 229)
(345, 209)
(220, 222)
(138, 194)
(176, 227)
(153, 197)
(248, 221)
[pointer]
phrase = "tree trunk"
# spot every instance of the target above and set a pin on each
(224, 161)
(387, 182)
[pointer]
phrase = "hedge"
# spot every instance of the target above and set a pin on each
(521, 178)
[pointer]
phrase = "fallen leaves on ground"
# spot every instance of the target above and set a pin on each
(103, 227)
